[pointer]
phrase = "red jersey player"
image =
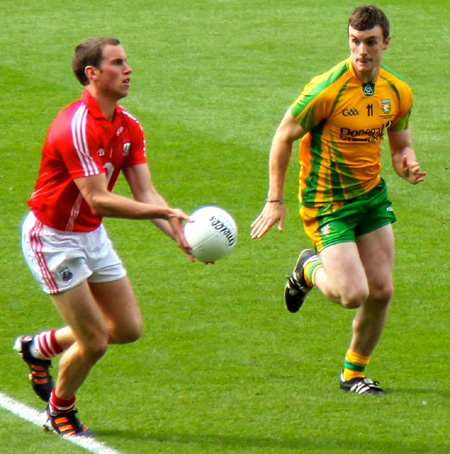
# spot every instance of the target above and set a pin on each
(64, 241)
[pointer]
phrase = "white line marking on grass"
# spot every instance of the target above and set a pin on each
(37, 418)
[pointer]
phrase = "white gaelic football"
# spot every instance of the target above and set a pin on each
(212, 234)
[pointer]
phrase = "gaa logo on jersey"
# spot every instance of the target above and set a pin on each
(126, 148)
(386, 105)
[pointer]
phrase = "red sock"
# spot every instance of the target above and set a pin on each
(58, 405)
(45, 345)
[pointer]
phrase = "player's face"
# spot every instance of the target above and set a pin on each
(367, 49)
(113, 77)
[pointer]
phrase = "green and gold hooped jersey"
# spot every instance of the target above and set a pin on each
(345, 121)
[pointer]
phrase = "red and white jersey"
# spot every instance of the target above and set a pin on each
(81, 142)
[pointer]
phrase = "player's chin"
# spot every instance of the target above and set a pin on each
(123, 92)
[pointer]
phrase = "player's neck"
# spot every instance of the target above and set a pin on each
(108, 107)
(367, 77)
(106, 103)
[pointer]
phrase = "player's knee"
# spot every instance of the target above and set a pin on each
(100, 349)
(132, 335)
(126, 334)
(95, 349)
(355, 297)
(382, 295)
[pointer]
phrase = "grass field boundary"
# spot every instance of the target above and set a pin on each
(36, 417)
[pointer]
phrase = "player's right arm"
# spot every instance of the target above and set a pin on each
(106, 204)
(287, 133)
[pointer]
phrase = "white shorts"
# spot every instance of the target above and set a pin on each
(61, 260)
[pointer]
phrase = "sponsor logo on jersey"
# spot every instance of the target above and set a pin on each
(119, 131)
(368, 89)
(363, 135)
(386, 105)
(350, 112)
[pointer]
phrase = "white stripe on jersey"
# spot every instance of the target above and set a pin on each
(137, 121)
(80, 142)
(130, 116)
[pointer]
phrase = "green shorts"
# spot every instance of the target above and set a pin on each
(343, 222)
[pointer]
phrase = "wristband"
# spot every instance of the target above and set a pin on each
(274, 201)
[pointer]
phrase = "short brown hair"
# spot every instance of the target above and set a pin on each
(90, 53)
(366, 17)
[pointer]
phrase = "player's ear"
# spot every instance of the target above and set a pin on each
(386, 42)
(91, 72)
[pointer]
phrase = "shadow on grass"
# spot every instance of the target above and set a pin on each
(268, 444)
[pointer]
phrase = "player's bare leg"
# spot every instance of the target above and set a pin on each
(360, 276)
(118, 304)
(79, 309)
(65, 337)
(98, 314)
(342, 279)
(377, 254)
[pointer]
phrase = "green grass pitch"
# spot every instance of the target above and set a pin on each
(222, 367)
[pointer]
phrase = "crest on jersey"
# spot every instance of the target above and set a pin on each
(126, 148)
(325, 230)
(66, 274)
(386, 105)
